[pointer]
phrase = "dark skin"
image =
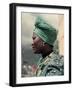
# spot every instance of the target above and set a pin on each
(39, 47)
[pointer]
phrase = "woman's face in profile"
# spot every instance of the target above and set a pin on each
(37, 44)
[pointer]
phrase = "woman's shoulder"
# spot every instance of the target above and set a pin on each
(55, 65)
(56, 59)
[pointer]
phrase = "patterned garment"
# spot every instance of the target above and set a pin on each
(51, 65)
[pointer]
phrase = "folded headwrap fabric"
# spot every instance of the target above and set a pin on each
(45, 31)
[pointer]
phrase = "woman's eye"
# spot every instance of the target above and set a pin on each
(35, 37)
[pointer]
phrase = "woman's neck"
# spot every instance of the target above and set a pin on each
(44, 54)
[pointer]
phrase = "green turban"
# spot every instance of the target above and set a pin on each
(45, 31)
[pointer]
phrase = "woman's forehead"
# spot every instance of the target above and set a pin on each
(35, 35)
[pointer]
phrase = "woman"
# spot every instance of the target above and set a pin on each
(44, 36)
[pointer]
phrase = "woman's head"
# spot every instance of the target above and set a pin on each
(44, 36)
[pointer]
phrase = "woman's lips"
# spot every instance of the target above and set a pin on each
(33, 47)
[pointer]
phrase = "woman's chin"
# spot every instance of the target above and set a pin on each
(35, 51)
